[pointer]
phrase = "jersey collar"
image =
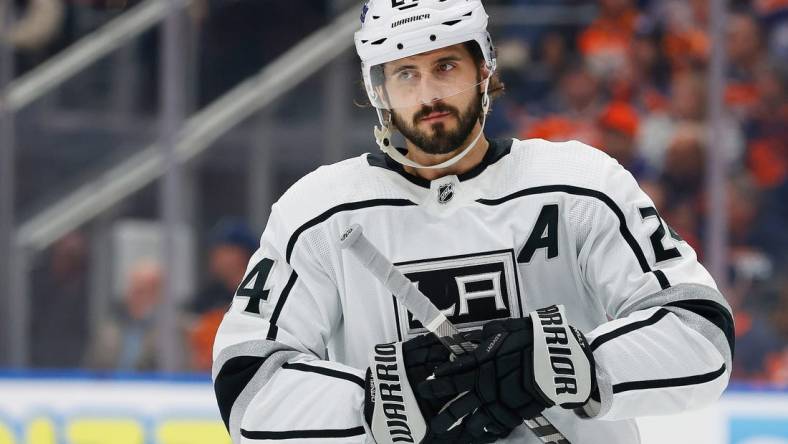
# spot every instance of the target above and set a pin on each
(497, 149)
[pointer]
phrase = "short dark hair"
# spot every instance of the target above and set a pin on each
(496, 88)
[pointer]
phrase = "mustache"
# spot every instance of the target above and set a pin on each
(436, 108)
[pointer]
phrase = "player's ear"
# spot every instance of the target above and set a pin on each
(484, 71)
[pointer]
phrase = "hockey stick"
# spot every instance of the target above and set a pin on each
(427, 313)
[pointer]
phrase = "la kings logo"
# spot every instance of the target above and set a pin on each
(470, 289)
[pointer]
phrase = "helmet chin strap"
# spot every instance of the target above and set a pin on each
(383, 138)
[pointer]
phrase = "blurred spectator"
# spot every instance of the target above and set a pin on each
(761, 316)
(687, 104)
(60, 303)
(767, 156)
(605, 43)
(573, 110)
(777, 16)
(760, 347)
(619, 126)
(756, 222)
(201, 336)
(682, 180)
(684, 167)
(128, 341)
(36, 25)
(777, 368)
(745, 53)
(232, 246)
(685, 41)
(37, 22)
(530, 76)
(642, 80)
(767, 128)
(757, 237)
(742, 211)
(579, 93)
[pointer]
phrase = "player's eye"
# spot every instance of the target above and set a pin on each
(446, 67)
(405, 75)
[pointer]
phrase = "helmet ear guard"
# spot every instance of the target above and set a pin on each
(383, 132)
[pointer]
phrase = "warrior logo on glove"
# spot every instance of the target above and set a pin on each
(391, 409)
(569, 359)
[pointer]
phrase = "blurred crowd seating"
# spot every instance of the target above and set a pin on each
(633, 83)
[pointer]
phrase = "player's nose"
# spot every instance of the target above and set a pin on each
(431, 90)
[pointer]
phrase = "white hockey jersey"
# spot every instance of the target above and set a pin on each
(536, 223)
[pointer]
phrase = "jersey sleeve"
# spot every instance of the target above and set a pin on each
(271, 375)
(668, 344)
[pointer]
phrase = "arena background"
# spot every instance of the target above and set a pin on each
(142, 144)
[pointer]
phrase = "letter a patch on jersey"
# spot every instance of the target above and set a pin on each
(544, 235)
(469, 289)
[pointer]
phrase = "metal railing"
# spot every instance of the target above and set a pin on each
(197, 134)
(69, 62)
(179, 141)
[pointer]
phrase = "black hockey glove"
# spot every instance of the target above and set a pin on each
(521, 367)
(391, 408)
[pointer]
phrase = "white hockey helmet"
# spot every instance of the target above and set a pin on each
(395, 29)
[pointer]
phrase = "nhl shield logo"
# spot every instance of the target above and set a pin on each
(445, 193)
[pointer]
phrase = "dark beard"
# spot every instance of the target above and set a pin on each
(443, 141)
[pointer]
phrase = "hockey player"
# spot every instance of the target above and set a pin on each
(587, 307)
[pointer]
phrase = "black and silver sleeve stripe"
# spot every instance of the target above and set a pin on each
(699, 307)
(240, 372)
